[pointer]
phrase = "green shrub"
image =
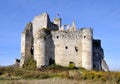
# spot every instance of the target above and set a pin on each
(55, 68)
(30, 64)
(35, 75)
(2, 70)
(72, 65)
(64, 74)
(115, 76)
(75, 74)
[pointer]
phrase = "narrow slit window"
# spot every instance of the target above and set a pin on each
(57, 37)
(76, 49)
(84, 36)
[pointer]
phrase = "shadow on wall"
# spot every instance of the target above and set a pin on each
(49, 48)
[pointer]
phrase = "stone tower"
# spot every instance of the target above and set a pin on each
(39, 48)
(74, 26)
(87, 49)
(57, 21)
(26, 43)
(40, 21)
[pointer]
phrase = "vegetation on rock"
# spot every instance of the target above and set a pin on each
(30, 64)
(71, 65)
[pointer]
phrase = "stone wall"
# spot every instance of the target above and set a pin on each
(26, 43)
(44, 48)
(87, 48)
(43, 21)
(63, 47)
(40, 21)
(57, 21)
(67, 47)
(22, 49)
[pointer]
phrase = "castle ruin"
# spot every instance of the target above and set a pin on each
(46, 41)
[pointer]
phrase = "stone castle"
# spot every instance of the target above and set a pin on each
(49, 41)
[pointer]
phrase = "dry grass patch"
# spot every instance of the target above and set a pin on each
(55, 81)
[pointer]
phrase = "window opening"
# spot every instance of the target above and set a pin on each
(57, 37)
(76, 49)
(84, 36)
(66, 47)
(32, 50)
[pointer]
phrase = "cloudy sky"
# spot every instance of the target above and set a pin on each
(102, 15)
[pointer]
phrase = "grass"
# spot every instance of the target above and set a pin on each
(55, 72)
(55, 81)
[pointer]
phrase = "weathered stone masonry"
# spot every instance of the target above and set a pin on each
(50, 41)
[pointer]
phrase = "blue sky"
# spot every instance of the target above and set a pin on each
(102, 15)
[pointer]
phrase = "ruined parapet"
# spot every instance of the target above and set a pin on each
(26, 43)
(57, 21)
(41, 21)
(62, 28)
(73, 28)
(68, 27)
(87, 55)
